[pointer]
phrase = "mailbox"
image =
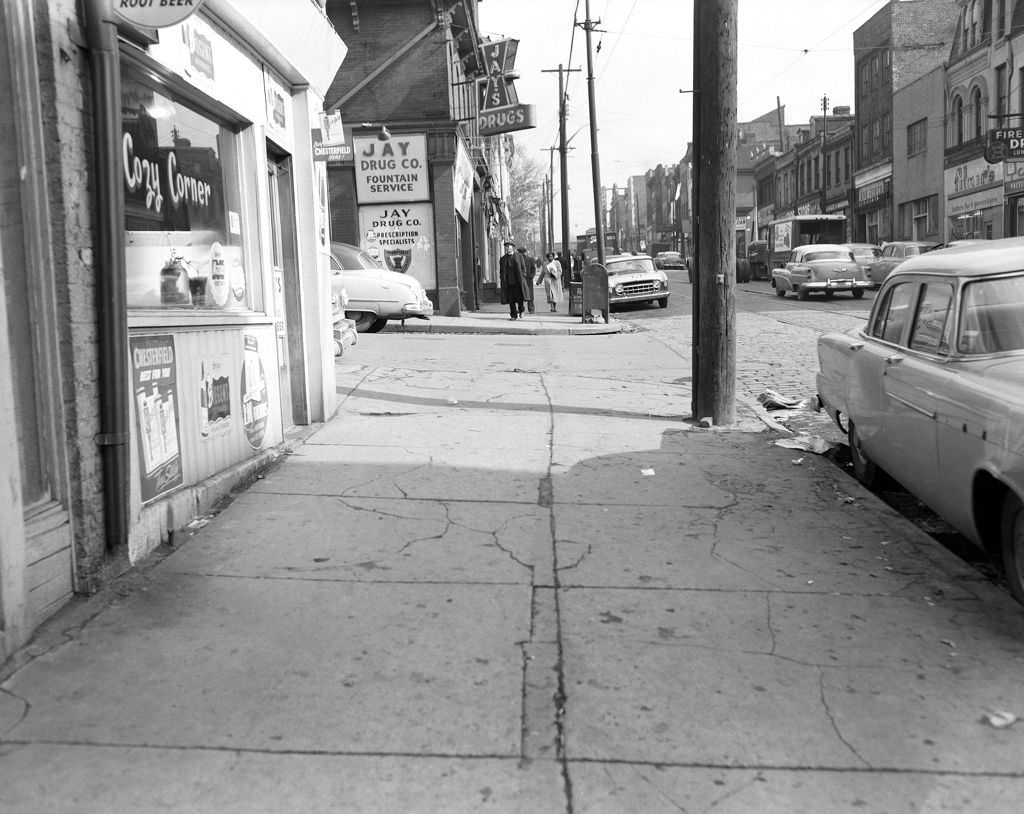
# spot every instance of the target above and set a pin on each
(595, 292)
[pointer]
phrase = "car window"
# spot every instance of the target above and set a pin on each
(913, 251)
(893, 313)
(992, 316)
(630, 266)
(930, 331)
(828, 255)
(888, 251)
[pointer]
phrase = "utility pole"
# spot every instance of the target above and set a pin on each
(544, 216)
(715, 69)
(824, 139)
(562, 149)
(550, 226)
(595, 162)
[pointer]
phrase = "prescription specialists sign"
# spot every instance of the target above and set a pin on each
(401, 236)
(155, 13)
(391, 171)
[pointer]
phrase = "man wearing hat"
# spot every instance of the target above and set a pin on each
(512, 278)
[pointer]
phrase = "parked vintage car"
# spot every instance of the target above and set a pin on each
(892, 255)
(864, 253)
(931, 390)
(375, 294)
(669, 260)
(825, 268)
(633, 278)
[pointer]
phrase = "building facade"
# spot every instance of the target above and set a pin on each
(167, 309)
(408, 95)
(903, 41)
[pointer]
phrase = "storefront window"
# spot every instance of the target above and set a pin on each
(183, 224)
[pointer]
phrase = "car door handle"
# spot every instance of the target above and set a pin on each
(895, 359)
(856, 345)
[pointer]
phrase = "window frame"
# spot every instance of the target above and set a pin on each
(151, 74)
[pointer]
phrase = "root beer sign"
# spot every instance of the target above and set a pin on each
(156, 13)
(500, 110)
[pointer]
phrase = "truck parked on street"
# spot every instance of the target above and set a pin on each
(785, 234)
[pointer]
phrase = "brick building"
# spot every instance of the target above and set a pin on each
(158, 198)
(409, 83)
(903, 41)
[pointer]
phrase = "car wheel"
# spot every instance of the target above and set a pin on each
(663, 302)
(778, 290)
(864, 469)
(378, 325)
(858, 294)
(801, 294)
(1012, 545)
(364, 321)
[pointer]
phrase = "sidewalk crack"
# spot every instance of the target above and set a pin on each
(832, 720)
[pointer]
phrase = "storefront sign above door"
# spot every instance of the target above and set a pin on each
(156, 13)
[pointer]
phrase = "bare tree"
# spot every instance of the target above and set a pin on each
(524, 201)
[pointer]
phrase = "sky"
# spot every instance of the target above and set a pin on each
(797, 50)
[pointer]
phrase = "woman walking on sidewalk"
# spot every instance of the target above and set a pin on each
(551, 275)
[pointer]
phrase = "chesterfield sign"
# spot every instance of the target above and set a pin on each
(500, 111)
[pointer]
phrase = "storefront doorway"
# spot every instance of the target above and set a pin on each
(287, 303)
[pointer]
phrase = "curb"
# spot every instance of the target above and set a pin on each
(462, 325)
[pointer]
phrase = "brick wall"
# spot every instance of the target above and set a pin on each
(415, 86)
(64, 81)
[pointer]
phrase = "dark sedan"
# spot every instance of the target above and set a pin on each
(892, 255)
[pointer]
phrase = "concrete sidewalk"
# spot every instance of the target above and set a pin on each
(511, 575)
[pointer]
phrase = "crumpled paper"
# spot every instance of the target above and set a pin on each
(776, 401)
(808, 443)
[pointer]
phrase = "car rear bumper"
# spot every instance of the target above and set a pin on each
(829, 286)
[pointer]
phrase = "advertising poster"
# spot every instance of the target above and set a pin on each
(404, 234)
(155, 381)
(214, 396)
(255, 404)
(392, 170)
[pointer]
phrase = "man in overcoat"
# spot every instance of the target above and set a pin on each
(531, 272)
(512, 279)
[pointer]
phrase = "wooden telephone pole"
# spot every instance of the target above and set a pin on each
(714, 325)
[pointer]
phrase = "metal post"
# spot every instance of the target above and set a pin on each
(595, 161)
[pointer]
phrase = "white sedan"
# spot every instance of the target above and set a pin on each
(375, 294)
(823, 268)
(931, 390)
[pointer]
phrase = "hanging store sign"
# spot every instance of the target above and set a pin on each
(500, 110)
(156, 13)
(1005, 144)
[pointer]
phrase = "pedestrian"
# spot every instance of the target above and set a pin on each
(531, 272)
(550, 275)
(512, 279)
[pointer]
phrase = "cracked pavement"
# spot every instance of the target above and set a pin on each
(510, 575)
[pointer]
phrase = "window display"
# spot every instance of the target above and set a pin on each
(183, 241)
